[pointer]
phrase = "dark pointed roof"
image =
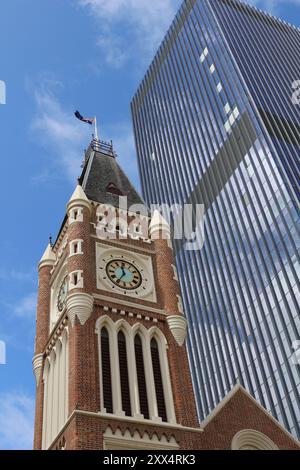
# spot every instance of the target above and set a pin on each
(103, 180)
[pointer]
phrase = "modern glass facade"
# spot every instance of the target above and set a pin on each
(214, 123)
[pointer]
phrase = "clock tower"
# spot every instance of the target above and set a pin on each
(110, 360)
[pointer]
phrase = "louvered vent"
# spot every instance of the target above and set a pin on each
(140, 368)
(106, 371)
(125, 391)
(161, 405)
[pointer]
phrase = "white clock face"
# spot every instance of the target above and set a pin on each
(62, 295)
(124, 274)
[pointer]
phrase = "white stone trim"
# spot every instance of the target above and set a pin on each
(50, 433)
(175, 276)
(56, 387)
(146, 336)
(76, 247)
(76, 280)
(250, 439)
(127, 441)
(124, 419)
(45, 436)
(37, 362)
(55, 377)
(122, 325)
(48, 258)
(159, 224)
(169, 243)
(120, 243)
(54, 312)
(178, 327)
(180, 304)
(125, 303)
(78, 199)
(165, 372)
(75, 215)
(105, 253)
(106, 322)
(152, 402)
(81, 305)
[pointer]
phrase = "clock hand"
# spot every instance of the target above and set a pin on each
(124, 274)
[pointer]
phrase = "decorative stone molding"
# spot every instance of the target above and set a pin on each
(127, 440)
(128, 313)
(180, 304)
(146, 336)
(170, 244)
(250, 439)
(76, 280)
(175, 277)
(76, 247)
(143, 263)
(62, 248)
(80, 305)
(78, 199)
(157, 224)
(56, 334)
(37, 362)
(75, 215)
(178, 327)
(48, 258)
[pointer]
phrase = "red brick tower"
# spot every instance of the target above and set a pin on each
(110, 362)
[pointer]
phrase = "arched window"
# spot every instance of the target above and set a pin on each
(106, 371)
(160, 398)
(124, 381)
(140, 369)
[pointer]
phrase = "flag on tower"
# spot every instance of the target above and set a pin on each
(81, 118)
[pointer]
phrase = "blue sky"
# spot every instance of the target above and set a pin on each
(57, 56)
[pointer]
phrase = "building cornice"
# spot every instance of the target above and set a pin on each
(120, 244)
(124, 303)
(124, 419)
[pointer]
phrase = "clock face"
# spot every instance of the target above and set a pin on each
(124, 274)
(62, 295)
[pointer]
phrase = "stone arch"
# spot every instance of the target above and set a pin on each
(250, 439)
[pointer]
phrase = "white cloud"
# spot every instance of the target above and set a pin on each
(135, 28)
(129, 28)
(26, 306)
(16, 421)
(16, 275)
(57, 129)
(60, 132)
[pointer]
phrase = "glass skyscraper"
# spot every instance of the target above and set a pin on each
(215, 123)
